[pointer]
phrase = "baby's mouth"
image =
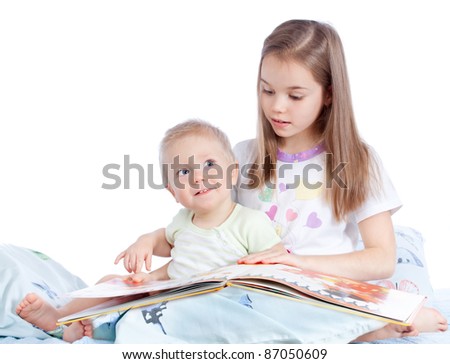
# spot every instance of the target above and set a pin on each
(201, 192)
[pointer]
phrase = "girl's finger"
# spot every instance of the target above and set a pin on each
(250, 258)
(256, 258)
(278, 258)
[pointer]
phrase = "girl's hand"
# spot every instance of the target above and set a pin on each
(137, 254)
(273, 255)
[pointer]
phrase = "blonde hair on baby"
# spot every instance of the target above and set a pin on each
(193, 127)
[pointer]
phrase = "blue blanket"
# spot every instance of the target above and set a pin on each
(228, 316)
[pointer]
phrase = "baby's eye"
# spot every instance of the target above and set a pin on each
(183, 172)
(210, 163)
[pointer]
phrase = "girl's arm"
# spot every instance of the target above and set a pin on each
(154, 243)
(376, 261)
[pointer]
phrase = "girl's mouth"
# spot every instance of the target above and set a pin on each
(278, 122)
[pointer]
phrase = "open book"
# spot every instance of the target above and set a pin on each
(291, 283)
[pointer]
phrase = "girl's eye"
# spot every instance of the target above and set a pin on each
(295, 97)
(267, 91)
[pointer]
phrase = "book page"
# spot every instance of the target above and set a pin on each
(123, 303)
(119, 287)
(382, 302)
(360, 296)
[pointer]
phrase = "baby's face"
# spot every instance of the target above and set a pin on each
(200, 174)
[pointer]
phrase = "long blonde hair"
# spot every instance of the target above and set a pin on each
(318, 47)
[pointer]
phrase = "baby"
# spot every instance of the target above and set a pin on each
(211, 230)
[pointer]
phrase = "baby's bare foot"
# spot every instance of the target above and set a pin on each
(77, 330)
(38, 312)
(88, 328)
(430, 320)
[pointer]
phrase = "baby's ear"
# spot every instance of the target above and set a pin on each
(235, 173)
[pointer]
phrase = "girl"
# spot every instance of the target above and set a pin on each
(326, 181)
(311, 172)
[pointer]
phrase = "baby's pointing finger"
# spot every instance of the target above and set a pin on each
(137, 265)
(120, 256)
(148, 262)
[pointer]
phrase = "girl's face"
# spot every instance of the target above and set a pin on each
(291, 101)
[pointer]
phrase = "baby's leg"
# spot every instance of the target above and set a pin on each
(38, 312)
(42, 314)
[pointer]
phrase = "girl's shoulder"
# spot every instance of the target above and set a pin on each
(376, 165)
(373, 154)
(245, 151)
(245, 145)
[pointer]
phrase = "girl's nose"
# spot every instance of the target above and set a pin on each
(279, 104)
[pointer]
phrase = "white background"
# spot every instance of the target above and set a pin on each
(83, 83)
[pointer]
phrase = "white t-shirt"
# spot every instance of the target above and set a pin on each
(296, 207)
(197, 250)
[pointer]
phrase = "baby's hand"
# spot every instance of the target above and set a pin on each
(138, 278)
(136, 254)
(142, 277)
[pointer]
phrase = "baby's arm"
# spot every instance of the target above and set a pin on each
(154, 243)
